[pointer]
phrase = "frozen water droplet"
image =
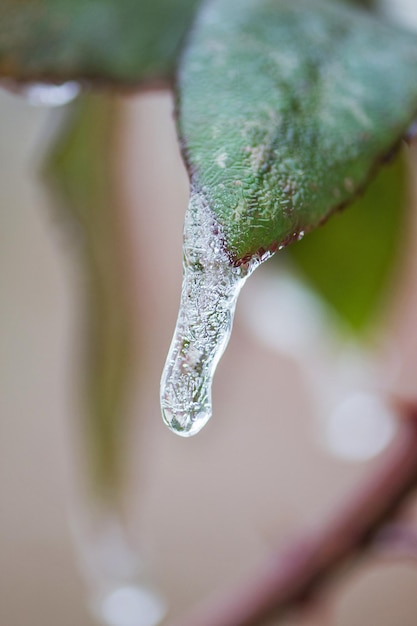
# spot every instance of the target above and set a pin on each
(211, 285)
(44, 94)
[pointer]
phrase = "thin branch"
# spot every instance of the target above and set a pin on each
(397, 541)
(288, 580)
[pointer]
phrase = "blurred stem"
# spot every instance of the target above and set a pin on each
(397, 541)
(80, 170)
(291, 579)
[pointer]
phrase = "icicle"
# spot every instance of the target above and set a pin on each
(211, 285)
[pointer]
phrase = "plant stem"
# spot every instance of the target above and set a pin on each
(289, 579)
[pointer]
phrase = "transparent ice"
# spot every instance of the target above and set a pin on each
(211, 285)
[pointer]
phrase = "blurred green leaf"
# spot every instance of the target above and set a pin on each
(121, 41)
(80, 170)
(286, 108)
(351, 260)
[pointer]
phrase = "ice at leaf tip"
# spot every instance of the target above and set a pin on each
(211, 285)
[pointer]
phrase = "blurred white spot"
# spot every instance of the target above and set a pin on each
(359, 428)
(51, 95)
(132, 606)
(44, 94)
(283, 315)
(404, 12)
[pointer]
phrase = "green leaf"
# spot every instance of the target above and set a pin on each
(80, 171)
(122, 41)
(351, 260)
(285, 110)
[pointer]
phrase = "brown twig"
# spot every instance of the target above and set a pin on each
(397, 541)
(289, 579)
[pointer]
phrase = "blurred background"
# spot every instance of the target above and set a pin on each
(282, 450)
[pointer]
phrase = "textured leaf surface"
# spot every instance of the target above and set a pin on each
(286, 107)
(80, 170)
(125, 41)
(351, 261)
